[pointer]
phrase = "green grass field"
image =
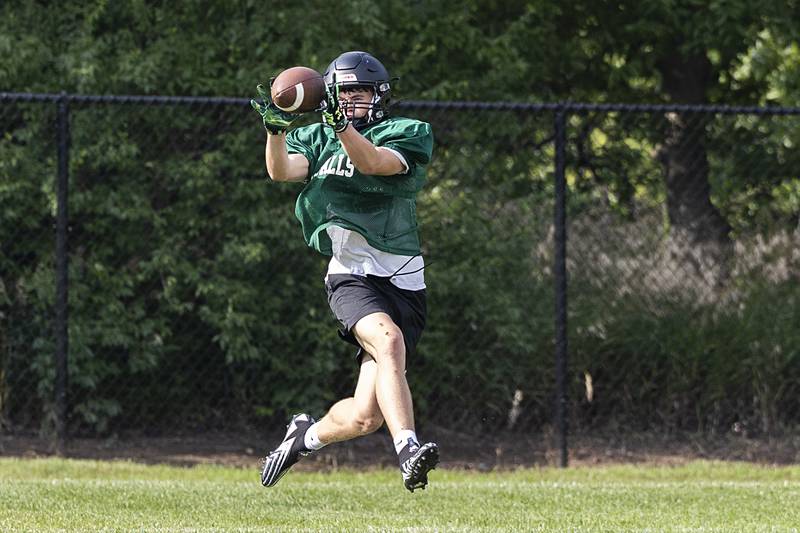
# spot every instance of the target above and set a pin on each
(55, 494)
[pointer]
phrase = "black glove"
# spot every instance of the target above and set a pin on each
(332, 114)
(275, 119)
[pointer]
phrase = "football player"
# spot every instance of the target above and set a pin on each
(362, 169)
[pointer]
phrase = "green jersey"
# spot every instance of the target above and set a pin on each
(381, 208)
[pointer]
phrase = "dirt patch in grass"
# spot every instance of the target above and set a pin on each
(458, 450)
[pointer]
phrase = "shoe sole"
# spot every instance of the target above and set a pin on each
(427, 462)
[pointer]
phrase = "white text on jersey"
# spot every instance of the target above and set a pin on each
(337, 164)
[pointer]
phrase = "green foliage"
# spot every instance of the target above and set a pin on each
(664, 350)
(194, 302)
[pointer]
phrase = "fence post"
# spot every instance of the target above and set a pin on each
(560, 276)
(62, 280)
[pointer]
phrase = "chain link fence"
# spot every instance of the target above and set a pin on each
(194, 304)
(684, 231)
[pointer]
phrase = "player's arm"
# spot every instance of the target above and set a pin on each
(281, 165)
(368, 158)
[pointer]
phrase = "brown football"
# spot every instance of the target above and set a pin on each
(298, 90)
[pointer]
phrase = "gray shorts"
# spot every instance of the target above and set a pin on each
(351, 298)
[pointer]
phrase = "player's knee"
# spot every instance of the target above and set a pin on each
(367, 423)
(392, 347)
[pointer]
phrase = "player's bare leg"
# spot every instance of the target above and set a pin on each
(347, 419)
(356, 416)
(383, 340)
(381, 388)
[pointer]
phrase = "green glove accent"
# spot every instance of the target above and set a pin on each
(275, 119)
(332, 114)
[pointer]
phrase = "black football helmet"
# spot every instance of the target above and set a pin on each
(360, 69)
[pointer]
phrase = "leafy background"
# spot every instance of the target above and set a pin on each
(194, 302)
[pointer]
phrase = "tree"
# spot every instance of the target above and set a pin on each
(178, 234)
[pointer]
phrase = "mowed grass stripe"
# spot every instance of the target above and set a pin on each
(717, 471)
(438, 485)
(61, 494)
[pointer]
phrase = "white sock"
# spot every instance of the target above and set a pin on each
(311, 439)
(404, 438)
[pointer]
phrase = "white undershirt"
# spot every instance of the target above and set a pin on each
(352, 254)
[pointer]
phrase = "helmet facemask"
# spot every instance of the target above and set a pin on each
(375, 107)
(360, 69)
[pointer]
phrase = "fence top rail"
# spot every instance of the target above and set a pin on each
(567, 107)
(122, 99)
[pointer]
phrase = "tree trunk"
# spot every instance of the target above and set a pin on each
(699, 232)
